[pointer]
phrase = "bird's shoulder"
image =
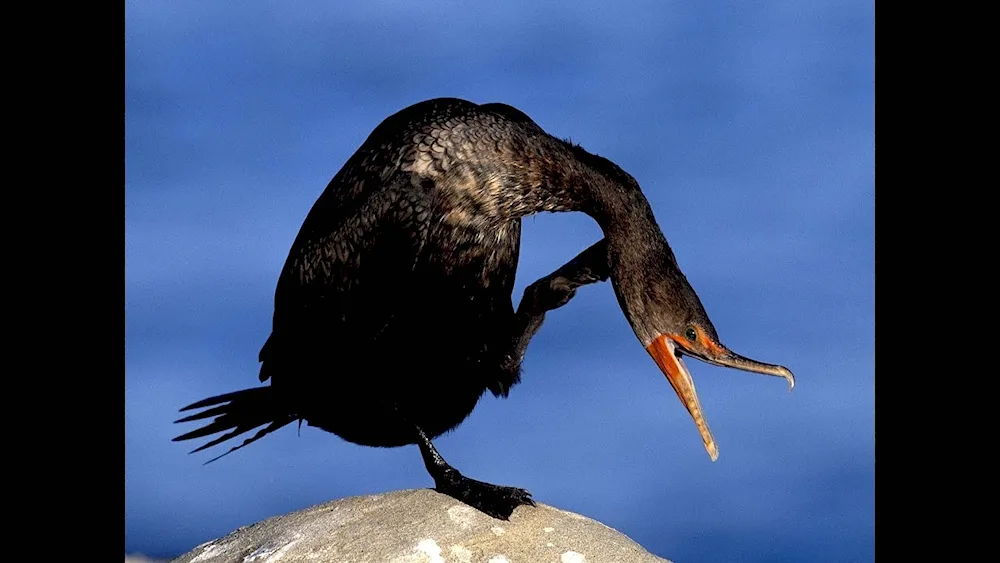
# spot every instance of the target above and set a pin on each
(387, 219)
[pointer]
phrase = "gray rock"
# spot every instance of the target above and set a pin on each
(421, 526)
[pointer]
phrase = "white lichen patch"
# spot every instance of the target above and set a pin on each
(498, 559)
(548, 529)
(462, 515)
(498, 531)
(426, 551)
(277, 555)
(431, 549)
(572, 557)
(211, 550)
(270, 553)
(461, 554)
(260, 552)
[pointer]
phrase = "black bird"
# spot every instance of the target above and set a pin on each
(393, 311)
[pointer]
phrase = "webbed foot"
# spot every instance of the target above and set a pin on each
(496, 500)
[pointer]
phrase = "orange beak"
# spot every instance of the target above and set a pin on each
(662, 349)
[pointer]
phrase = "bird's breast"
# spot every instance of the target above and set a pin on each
(476, 250)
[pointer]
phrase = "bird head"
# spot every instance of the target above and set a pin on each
(670, 321)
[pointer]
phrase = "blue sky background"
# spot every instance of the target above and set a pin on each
(749, 125)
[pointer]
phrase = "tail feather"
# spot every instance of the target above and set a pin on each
(260, 434)
(236, 432)
(245, 394)
(238, 413)
(221, 409)
(221, 424)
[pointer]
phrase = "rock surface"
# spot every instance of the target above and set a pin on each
(421, 526)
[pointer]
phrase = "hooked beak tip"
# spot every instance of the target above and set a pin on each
(788, 375)
(791, 381)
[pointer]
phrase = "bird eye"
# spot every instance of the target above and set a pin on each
(690, 334)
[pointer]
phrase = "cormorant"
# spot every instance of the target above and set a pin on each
(393, 311)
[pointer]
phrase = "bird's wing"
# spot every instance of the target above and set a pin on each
(347, 273)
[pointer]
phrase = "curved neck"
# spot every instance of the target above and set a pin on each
(503, 170)
(542, 173)
(564, 177)
(640, 260)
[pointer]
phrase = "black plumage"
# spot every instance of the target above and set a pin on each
(394, 314)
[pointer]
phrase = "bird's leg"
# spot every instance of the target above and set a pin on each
(497, 501)
(556, 289)
(548, 293)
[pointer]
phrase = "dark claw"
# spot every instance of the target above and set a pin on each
(494, 500)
